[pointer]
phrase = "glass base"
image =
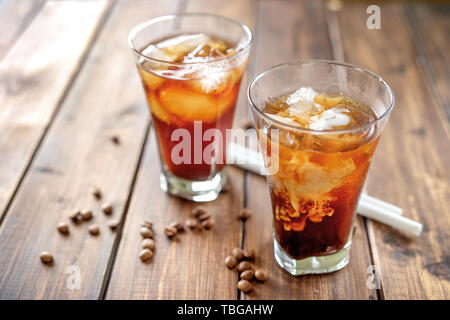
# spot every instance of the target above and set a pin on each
(312, 265)
(198, 191)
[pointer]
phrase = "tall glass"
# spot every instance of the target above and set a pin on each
(316, 176)
(192, 103)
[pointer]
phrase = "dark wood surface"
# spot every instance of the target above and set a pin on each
(68, 84)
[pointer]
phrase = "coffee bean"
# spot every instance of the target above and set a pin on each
(204, 216)
(75, 216)
(170, 232)
(107, 208)
(146, 255)
(230, 262)
(113, 224)
(86, 214)
(244, 286)
(192, 223)
(177, 226)
(96, 193)
(94, 230)
(244, 214)
(238, 253)
(115, 139)
(46, 257)
(147, 232)
(148, 244)
(247, 275)
(207, 224)
(249, 254)
(63, 228)
(244, 265)
(196, 212)
(260, 275)
(147, 224)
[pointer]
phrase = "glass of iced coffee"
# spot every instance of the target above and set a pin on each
(318, 124)
(191, 66)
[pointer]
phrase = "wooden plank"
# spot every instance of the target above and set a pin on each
(304, 36)
(410, 167)
(105, 100)
(430, 26)
(193, 267)
(15, 16)
(34, 78)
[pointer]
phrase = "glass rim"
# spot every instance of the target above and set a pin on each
(326, 131)
(141, 26)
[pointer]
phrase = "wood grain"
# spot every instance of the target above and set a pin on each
(430, 26)
(15, 16)
(410, 167)
(34, 78)
(303, 37)
(193, 267)
(105, 100)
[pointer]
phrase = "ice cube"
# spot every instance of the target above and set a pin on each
(302, 94)
(154, 52)
(275, 105)
(334, 117)
(174, 49)
(302, 101)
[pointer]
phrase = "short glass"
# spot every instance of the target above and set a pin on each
(192, 103)
(316, 176)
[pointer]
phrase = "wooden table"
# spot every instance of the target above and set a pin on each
(68, 84)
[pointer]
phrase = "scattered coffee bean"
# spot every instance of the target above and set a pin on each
(244, 214)
(170, 232)
(196, 212)
(46, 257)
(146, 255)
(177, 226)
(94, 230)
(244, 286)
(147, 224)
(86, 214)
(115, 139)
(192, 223)
(148, 244)
(249, 254)
(204, 216)
(96, 193)
(107, 208)
(147, 232)
(244, 265)
(238, 253)
(113, 224)
(260, 275)
(230, 262)
(207, 224)
(247, 275)
(63, 228)
(75, 216)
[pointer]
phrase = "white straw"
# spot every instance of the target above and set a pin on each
(368, 206)
(381, 203)
(380, 214)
